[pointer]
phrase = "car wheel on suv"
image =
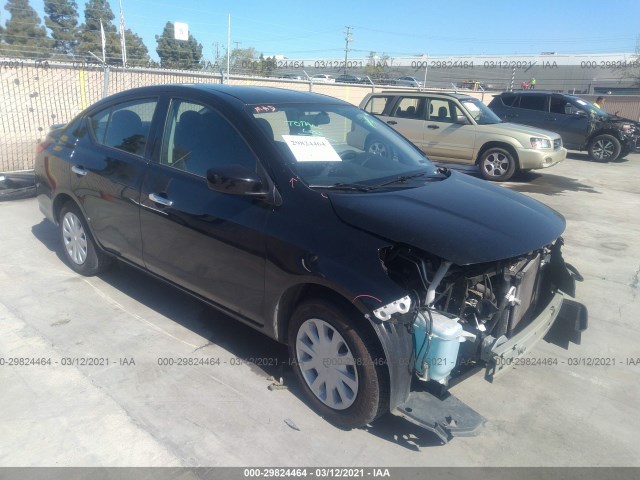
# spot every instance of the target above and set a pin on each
(340, 370)
(604, 148)
(497, 164)
(377, 147)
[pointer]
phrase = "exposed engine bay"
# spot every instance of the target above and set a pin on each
(459, 314)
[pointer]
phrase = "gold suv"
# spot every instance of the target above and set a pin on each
(461, 129)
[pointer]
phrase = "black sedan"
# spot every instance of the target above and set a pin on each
(373, 265)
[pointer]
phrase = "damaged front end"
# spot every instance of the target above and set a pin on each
(464, 318)
(482, 315)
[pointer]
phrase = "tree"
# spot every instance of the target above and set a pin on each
(137, 52)
(178, 54)
(90, 36)
(378, 67)
(24, 35)
(62, 19)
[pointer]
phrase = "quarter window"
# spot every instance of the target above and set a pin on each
(198, 138)
(377, 105)
(125, 126)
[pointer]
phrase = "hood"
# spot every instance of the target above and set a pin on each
(506, 128)
(461, 219)
(617, 119)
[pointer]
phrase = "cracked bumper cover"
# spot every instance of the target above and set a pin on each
(561, 322)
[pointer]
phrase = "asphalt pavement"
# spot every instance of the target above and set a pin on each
(103, 383)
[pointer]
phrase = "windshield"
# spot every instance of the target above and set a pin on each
(479, 111)
(340, 146)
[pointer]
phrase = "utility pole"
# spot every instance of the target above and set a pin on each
(216, 45)
(237, 43)
(346, 47)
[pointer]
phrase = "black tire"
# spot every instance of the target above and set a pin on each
(604, 148)
(80, 250)
(376, 146)
(358, 356)
(497, 164)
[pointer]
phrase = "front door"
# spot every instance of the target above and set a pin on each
(444, 138)
(208, 242)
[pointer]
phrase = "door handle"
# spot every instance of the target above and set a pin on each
(433, 126)
(392, 122)
(154, 197)
(78, 170)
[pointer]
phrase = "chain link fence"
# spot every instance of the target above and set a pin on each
(35, 95)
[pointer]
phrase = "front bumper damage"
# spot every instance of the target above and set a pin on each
(561, 322)
(569, 318)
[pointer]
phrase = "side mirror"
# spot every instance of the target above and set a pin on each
(462, 120)
(235, 180)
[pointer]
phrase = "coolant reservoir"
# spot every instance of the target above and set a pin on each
(436, 362)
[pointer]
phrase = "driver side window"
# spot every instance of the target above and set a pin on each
(198, 138)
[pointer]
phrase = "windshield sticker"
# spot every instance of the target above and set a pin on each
(472, 106)
(581, 102)
(311, 149)
(264, 108)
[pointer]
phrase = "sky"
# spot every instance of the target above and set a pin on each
(316, 29)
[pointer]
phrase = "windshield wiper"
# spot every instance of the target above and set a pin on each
(401, 179)
(345, 186)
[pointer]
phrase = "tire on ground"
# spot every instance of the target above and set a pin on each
(326, 344)
(604, 148)
(497, 164)
(79, 248)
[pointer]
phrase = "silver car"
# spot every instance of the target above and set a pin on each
(461, 129)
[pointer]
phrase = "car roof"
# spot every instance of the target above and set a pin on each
(459, 96)
(247, 95)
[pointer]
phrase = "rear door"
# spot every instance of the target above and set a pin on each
(532, 109)
(208, 242)
(407, 117)
(107, 172)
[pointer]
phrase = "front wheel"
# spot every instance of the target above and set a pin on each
(340, 367)
(604, 148)
(497, 164)
(80, 250)
(376, 146)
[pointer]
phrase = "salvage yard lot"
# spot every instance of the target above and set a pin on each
(119, 387)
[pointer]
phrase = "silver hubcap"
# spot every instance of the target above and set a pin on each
(378, 148)
(603, 149)
(74, 237)
(327, 364)
(496, 164)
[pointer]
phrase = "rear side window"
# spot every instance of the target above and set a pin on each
(124, 126)
(409, 107)
(377, 105)
(533, 102)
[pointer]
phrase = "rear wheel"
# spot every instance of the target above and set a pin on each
(604, 148)
(80, 250)
(340, 367)
(497, 164)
